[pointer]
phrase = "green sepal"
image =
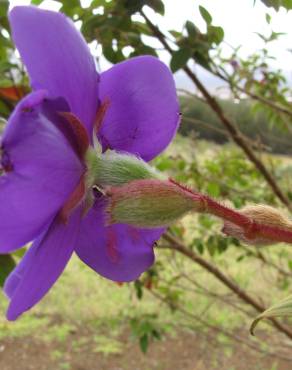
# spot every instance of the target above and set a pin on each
(116, 168)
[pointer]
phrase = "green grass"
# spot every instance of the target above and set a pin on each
(80, 296)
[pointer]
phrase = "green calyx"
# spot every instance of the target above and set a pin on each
(116, 169)
(136, 193)
(150, 203)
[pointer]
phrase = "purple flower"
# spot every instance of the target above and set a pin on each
(42, 159)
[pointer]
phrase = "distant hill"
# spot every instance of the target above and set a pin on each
(256, 125)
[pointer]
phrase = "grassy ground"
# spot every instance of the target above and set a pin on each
(84, 322)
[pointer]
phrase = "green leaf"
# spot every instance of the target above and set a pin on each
(179, 59)
(191, 29)
(175, 34)
(112, 55)
(281, 309)
(240, 258)
(144, 343)
(156, 5)
(213, 189)
(156, 334)
(202, 59)
(287, 4)
(7, 264)
(272, 3)
(133, 6)
(36, 2)
(143, 50)
(70, 7)
(211, 245)
(139, 289)
(216, 33)
(96, 3)
(276, 4)
(199, 246)
(4, 113)
(222, 245)
(206, 15)
(142, 28)
(6, 66)
(4, 4)
(268, 18)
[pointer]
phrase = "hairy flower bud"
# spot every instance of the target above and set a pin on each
(116, 168)
(151, 203)
(262, 215)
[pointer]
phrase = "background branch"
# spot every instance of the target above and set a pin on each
(234, 132)
(176, 244)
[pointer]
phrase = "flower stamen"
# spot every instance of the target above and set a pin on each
(101, 112)
(73, 201)
(79, 131)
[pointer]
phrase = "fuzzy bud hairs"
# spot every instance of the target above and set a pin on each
(116, 168)
(150, 203)
(262, 215)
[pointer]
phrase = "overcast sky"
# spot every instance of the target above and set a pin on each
(239, 18)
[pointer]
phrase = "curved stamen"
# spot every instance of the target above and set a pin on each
(80, 133)
(101, 112)
(74, 200)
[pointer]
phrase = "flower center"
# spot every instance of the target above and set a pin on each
(84, 191)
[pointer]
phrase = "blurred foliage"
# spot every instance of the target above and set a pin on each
(276, 4)
(7, 264)
(257, 124)
(146, 330)
(258, 95)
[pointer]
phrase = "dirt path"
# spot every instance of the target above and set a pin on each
(184, 352)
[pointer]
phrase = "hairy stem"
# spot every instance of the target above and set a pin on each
(252, 228)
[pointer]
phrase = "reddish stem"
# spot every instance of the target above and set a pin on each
(103, 108)
(251, 228)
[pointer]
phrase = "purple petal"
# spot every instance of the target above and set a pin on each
(57, 58)
(119, 252)
(14, 278)
(143, 115)
(45, 170)
(41, 266)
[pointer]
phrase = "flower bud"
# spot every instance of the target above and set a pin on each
(262, 215)
(151, 203)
